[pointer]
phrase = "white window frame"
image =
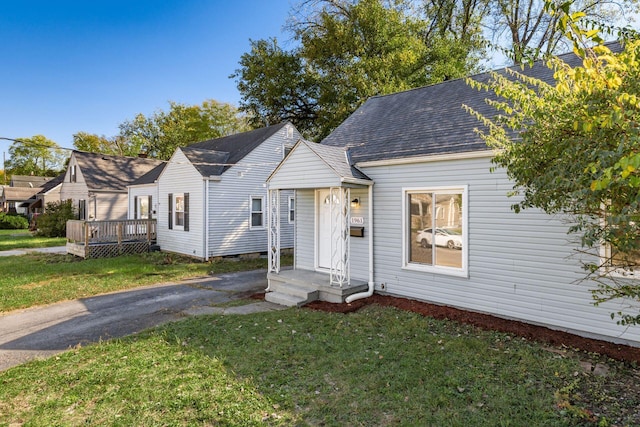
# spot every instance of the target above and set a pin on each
(606, 263)
(140, 201)
(291, 209)
(251, 212)
(176, 211)
(406, 225)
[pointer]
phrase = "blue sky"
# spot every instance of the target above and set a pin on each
(88, 65)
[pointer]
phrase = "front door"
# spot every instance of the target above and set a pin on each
(323, 231)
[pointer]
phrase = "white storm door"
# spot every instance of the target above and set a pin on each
(323, 230)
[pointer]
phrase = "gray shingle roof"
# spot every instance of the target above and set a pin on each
(424, 121)
(337, 159)
(215, 156)
(29, 180)
(112, 173)
(52, 183)
(151, 176)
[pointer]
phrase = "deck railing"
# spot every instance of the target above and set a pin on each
(98, 232)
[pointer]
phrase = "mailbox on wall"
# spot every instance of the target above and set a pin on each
(356, 231)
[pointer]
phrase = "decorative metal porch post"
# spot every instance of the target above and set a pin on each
(340, 206)
(273, 219)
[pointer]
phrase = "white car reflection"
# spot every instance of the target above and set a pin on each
(444, 237)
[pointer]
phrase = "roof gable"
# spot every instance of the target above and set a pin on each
(104, 172)
(311, 165)
(425, 121)
(215, 156)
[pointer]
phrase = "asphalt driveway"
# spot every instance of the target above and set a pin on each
(44, 331)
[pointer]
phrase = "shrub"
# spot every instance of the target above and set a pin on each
(13, 221)
(53, 222)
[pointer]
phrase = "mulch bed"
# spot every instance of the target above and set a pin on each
(488, 322)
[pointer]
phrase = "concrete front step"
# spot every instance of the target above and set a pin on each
(285, 299)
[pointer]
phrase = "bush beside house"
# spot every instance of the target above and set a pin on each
(53, 223)
(13, 222)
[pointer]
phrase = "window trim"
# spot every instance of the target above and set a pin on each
(406, 224)
(291, 209)
(173, 212)
(608, 267)
(251, 212)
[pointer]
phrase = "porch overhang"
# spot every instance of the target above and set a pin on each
(344, 182)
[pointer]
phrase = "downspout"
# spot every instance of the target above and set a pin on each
(206, 220)
(369, 292)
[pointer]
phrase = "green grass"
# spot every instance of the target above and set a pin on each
(36, 279)
(379, 366)
(22, 239)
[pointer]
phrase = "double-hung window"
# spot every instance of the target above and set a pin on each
(256, 216)
(179, 211)
(435, 230)
(292, 209)
(142, 207)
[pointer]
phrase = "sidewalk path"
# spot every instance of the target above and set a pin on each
(51, 250)
(40, 332)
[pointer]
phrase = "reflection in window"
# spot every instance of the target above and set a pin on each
(435, 228)
(179, 210)
(143, 207)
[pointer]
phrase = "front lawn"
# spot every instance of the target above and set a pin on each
(379, 366)
(23, 239)
(36, 279)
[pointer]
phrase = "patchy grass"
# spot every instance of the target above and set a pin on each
(378, 366)
(37, 279)
(23, 239)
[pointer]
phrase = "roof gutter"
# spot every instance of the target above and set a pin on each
(426, 159)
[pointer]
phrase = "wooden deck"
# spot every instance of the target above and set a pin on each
(100, 239)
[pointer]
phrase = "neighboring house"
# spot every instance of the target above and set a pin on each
(20, 190)
(143, 194)
(372, 198)
(212, 198)
(50, 192)
(13, 197)
(97, 183)
(30, 181)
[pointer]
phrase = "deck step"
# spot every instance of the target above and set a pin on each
(285, 299)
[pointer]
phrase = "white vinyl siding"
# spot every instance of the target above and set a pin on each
(180, 177)
(229, 200)
(360, 245)
(305, 230)
(520, 266)
(143, 192)
(306, 170)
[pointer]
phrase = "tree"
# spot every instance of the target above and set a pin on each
(276, 86)
(573, 148)
(161, 133)
(532, 32)
(349, 51)
(117, 145)
(35, 156)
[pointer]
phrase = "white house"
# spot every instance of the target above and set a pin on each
(212, 194)
(97, 183)
(400, 200)
(143, 194)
